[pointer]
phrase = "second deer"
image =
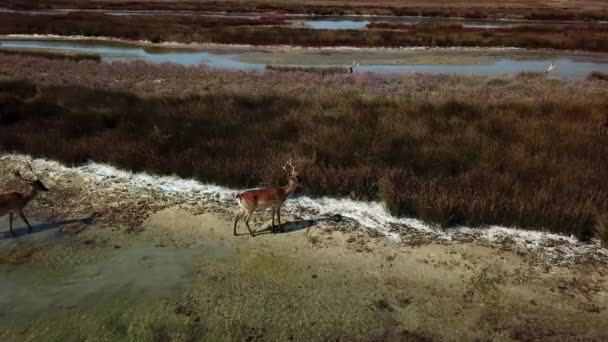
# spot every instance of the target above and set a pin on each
(273, 198)
(13, 202)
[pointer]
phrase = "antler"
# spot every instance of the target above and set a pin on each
(18, 175)
(31, 169)
(293, 168)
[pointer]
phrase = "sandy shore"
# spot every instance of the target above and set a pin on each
(109, 263)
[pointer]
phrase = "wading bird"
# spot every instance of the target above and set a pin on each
(251, 200)
(550, 68)
(13, 202)
(352, 68)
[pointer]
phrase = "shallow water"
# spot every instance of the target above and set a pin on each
(86, 274)
(113, 52)
(361, 23)
(568, 67)
(336, 24)
(501, 62)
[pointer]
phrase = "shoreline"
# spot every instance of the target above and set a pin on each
(371, 217)
(197, 46)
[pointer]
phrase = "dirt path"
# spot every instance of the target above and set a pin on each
(146, 268)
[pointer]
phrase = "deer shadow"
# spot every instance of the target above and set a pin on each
(294, 226)
(42, 227)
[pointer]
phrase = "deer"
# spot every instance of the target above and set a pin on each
(251, 200)
(352, 68)
(14, 202)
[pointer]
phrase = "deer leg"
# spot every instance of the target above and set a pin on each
(10, 223)
(279, 217)
(29, 228)
(273, 213)
(247, 223)
(236, 220)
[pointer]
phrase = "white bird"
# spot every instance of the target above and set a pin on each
(351, 68)
(550, 68)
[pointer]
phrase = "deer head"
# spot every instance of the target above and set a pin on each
(35, 183)
(293, 174)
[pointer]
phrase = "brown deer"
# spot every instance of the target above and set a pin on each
(14, 202)
(273, 198)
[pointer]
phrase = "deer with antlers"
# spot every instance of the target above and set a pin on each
(14, 202)
(251, 200)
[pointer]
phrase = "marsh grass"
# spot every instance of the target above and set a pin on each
(272, 31)
(527, 152)
(152, 28)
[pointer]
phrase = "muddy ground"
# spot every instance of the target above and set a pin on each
(105, 264)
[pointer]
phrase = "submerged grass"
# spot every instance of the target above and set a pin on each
(51, 54)
(308, 69)
(524, 151)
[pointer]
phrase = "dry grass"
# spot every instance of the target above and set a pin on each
(529, 152)
(153, 28)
